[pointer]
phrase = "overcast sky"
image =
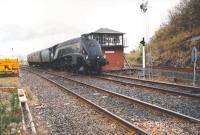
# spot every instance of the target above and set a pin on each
(30, 25)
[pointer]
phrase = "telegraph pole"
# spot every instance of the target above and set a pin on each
(144, 9)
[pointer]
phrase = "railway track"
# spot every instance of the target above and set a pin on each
(177, 89)
(189, 70)
(129, 126)
(182, 104)
(184, 78)
(130, 100)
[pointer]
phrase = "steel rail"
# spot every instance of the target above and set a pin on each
(155, 82)
(111, 115)
(133, 100)
(188, 70)
(151, 87)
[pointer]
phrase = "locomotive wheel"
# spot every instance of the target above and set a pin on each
(75, 68)
(80, 62)
(98, 68)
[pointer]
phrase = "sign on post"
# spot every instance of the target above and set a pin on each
(194, 55)
(194, 60)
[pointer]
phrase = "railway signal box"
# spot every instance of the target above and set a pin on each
(112, 43)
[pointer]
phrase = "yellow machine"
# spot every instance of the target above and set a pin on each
(9, 66)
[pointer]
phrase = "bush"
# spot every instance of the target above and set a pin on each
(170, 42)
(134, 57)
(9, 113)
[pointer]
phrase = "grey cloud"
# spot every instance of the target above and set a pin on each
(11, 32)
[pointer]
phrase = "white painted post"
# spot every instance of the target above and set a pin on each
(143, 60)
(23, 99)
(194, 77)
(32, 125)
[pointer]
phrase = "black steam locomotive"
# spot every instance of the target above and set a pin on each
(80, 54)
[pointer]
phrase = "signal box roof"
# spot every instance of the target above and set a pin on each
(106, 31)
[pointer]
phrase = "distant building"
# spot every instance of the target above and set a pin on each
(112, 43)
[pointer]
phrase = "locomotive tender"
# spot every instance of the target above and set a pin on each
(80, 54)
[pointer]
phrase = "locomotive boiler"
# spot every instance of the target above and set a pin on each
(80, 54)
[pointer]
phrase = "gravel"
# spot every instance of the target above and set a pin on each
(181, 104)
(149, 120)
(64, 114)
